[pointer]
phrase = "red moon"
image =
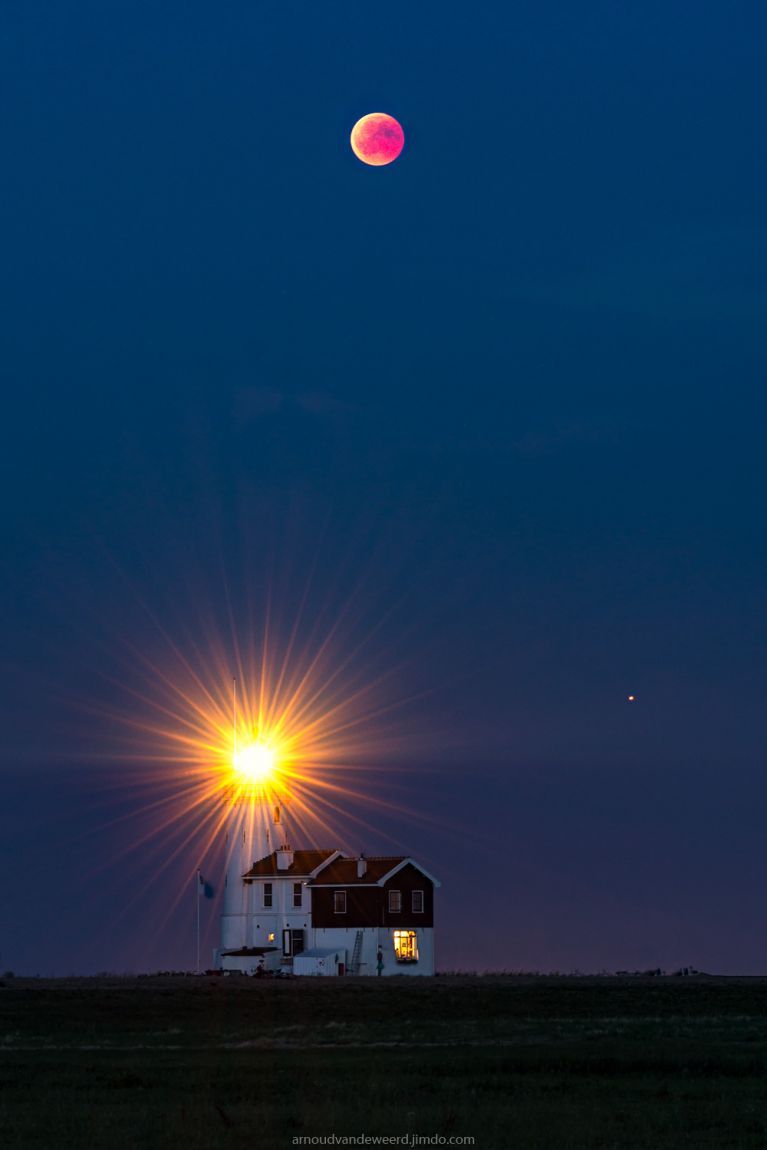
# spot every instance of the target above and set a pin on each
(377, 139)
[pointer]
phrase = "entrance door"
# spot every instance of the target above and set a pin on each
(292, 943)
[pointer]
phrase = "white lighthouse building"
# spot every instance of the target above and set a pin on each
(318, 911)
(253, 826)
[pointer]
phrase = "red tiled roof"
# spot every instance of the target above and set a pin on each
(304, 862)
(343, 872)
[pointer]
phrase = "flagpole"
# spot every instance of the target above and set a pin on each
(198, 884)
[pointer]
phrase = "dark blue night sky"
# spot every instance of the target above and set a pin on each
(499, 406)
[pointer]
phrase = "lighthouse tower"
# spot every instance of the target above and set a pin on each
(254, 828)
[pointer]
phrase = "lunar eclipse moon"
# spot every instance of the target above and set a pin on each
(377, 139)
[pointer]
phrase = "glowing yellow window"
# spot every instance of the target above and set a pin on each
(405, 946)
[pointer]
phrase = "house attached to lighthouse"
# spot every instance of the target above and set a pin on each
(381, 909)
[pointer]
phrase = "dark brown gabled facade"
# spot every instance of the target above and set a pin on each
(388, 894)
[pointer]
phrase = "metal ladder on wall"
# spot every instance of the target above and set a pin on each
(354, 965)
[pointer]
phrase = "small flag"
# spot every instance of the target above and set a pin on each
(204, 888)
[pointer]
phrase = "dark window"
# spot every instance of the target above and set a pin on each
(339, 901)
(267, 894)
(417, 902)
(395, 901)
(298, 894)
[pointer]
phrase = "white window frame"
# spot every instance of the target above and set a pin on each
(268, 895)
(339, 895)
(298, 894)
(417, 909)
(395, 895)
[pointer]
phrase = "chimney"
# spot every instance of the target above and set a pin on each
(362, 866)
(284, 858)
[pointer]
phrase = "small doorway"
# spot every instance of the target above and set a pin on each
(292, 943)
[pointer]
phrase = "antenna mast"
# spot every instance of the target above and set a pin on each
(234, 717)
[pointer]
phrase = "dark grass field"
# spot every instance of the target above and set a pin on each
(509, 1061)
